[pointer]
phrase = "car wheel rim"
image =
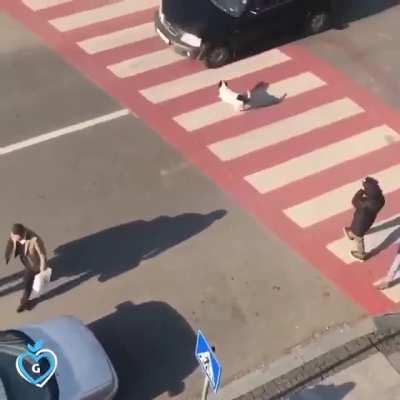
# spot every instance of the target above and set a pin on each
(218, 56)
(318, 22)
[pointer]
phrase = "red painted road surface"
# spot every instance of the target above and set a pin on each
(354, 279)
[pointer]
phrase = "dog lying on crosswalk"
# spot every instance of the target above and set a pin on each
(256, 97)
(238, 100)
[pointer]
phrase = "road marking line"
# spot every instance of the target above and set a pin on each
(296, 125)
(100, 14)
(322, 159)
(119, 38)
(200, 80)
(220, 111)
(37, 5)
(147, 62)
(63, 131)
(342, 246)
(338, 200)
(176, 168)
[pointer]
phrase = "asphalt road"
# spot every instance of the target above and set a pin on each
(367, 49)
(146, 249)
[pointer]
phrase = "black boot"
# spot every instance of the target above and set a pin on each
(20, 308)
(25, 304)
(358, 256)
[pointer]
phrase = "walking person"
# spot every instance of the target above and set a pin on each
(367, 202)
(29, 247)
(393, 274)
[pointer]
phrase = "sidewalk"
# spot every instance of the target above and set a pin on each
(373, 378)
(358, 362)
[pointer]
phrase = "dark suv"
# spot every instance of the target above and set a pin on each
(214, 30)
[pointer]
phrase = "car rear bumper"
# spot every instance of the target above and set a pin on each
(84, 369)
(115, 385)
(172, 39)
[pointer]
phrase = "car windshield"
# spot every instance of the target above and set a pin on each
(12, 385)
(232, 7)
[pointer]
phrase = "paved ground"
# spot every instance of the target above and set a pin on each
(107, 184)
(358, 382)
(365, 51)
(141, 253)
(342, 364)
(294, 165)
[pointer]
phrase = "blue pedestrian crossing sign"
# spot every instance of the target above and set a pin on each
(208, 361)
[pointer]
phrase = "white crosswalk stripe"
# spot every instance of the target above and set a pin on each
(100, 14)
(220, 111)
(285, 129)
(321, 159)
(381, 232)
(338, 200)
(190, 83)
(147, 62)
(116, 39)
(37, 5)
(392, 293)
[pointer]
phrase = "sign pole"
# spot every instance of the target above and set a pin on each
(206, 386)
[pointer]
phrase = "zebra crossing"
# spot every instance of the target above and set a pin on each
(295, 164)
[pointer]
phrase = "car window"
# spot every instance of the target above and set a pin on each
(265, 5)
(12, 385)
(235, 8)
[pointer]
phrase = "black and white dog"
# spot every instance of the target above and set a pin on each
(237, 100)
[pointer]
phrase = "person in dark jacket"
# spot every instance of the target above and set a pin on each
(367, 203)
(29, 247)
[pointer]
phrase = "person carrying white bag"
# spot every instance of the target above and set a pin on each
(30, 248)
(41, 280)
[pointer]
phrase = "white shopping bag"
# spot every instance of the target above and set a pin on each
(41, 280)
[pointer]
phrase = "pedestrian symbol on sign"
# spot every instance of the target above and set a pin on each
(205, 360)
(208, 361)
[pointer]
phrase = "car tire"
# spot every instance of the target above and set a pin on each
(318, 21)
(217, 56)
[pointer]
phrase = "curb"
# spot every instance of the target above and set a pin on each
(359, 333)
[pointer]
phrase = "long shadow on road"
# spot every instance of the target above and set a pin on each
(117, 250)
(11, 283)
(151, 347)
(324, 392)
(114, 251)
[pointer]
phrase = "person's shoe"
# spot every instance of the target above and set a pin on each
(383, 285)
(30, 304)
(347, 233)
(358, 256)
(20, 308)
